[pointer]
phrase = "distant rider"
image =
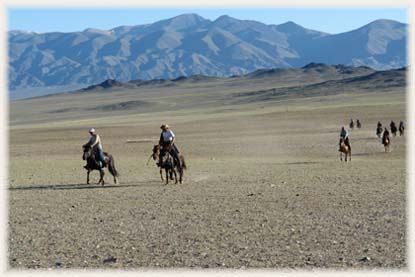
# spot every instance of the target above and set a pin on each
(379, 129)
(95, 141)
(358, 124)
(401, 127)
(379, 125)
(167, 139)
(345, 136)
(385, 136)
(393, 127)
(351, 124)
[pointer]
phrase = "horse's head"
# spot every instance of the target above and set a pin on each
(87, 152)
(156, 149)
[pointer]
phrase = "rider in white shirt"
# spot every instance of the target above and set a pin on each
(95, 141)
(167, 138)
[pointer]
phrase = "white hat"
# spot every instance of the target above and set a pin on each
(92, 130)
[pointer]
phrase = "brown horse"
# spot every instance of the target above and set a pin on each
(346, 150)
(168, 163)
(386, 142)
(92, 164)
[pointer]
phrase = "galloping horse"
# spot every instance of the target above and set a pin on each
(386, 142)
(379, 131)
(401, 129)
(169, 164)
(92, 164)
(393, 128)
(351, 124)
(358, 124)
(346, 150)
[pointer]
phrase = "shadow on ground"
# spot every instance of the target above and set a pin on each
(85, 186)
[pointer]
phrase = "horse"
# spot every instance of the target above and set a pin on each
(379, 131)
(166, 162)
(386, 142)
(401, 130)
(351, 124)
(92, 164)
(393, 128)
(346, 150)
(358, 124)
(161, 163)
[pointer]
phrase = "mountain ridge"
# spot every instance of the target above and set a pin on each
(188, 45)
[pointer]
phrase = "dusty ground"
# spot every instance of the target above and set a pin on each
(265, 189)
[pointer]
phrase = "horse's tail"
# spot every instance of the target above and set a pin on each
(183, 162)
(111, 167)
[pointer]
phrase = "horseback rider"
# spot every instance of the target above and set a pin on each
(167, 139)
(401, 128)
(379, 129)
(385, 136)
(95, 141)
(393, 127)
(345, 136)
(358, 124)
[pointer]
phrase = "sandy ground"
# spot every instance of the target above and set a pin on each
(265, 189)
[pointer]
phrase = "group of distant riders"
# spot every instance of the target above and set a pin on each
(385, 136)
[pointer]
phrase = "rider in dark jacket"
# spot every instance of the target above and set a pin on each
(385, 136)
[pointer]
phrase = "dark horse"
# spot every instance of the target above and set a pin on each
(358, 124)
(168, 163)
(379, 131)
(401, 129)
(92, 164)
(351, 124)
(393, 128)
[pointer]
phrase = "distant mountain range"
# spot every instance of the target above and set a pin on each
(189, 45)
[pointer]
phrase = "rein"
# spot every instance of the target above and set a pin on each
(149, 159)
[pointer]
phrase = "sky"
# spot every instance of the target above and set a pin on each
(329, 20)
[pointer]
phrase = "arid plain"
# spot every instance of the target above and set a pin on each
(265, 187)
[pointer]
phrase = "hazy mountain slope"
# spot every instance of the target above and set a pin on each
(189, 44)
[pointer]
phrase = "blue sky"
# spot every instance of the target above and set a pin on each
(330, 20)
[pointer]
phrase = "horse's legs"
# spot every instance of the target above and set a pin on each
(101, 179)
(175, 175)
(350, 154)
(161, 174)
(341, 156)
(87, 177)
(167, 176)
(181, 174)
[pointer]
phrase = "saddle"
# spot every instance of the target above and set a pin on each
(97, 160)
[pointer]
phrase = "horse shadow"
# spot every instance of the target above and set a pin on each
(83, 186)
